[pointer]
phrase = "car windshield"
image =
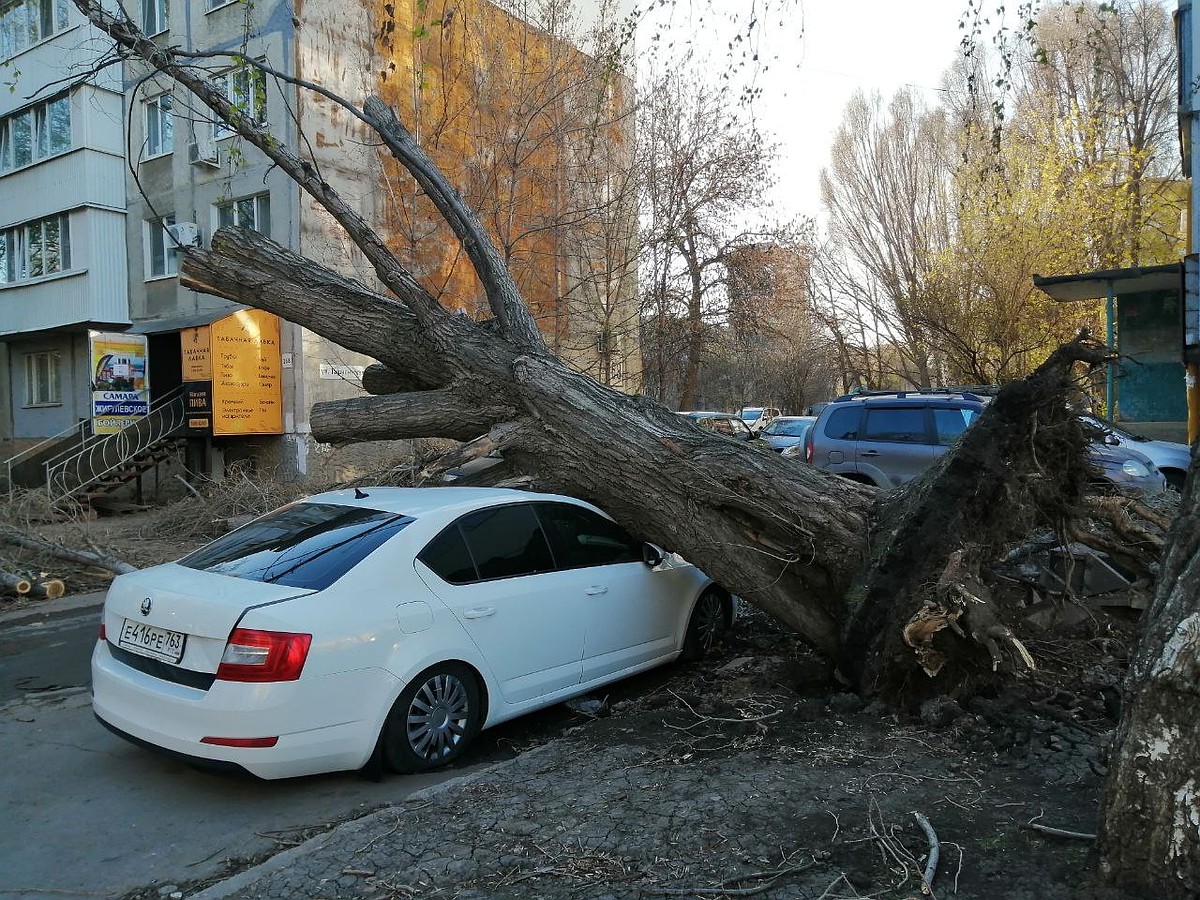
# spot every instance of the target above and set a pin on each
(751, 415)
(793, 428)
(304, 545)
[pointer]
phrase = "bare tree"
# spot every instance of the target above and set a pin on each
(706, 174)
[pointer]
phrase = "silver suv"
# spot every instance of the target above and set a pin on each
(888, 438)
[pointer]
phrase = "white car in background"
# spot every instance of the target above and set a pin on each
(388, 626)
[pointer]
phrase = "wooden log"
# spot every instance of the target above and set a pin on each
(15, 584)
(79, 557)
(48, 588)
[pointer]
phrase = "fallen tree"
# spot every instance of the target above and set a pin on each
(886, 584)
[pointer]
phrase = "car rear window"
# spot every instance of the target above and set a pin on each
(842, 424)
(303, 545)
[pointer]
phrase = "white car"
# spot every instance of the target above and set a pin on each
(358, 629)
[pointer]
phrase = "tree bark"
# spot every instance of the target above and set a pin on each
(1150, 829)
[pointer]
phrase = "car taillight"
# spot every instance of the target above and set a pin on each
(808, 450)
(103, 636)
(252, 655)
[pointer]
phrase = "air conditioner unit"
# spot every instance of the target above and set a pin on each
(204, 153)
(185, 235)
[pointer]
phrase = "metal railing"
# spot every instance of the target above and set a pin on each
(102, 454)
(78, 434)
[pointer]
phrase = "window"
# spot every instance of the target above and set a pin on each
(304, 545)
(159, 137)
(160, 258)
(506, 542)
(25, 22)
(899, 425)
(842, 424)
(448, 557)
(246, 89)
(34, 249)
(36, 133)
(950, 423)
(41, 379)
(249, 212)
(580, 537)
(156, 16)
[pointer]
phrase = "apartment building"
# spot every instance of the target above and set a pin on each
(62, 215)
(475, 80)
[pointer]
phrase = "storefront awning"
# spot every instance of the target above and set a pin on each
(178, 323)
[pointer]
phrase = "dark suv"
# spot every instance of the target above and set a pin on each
(889, 438)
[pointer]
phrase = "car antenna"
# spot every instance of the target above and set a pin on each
(360, 494)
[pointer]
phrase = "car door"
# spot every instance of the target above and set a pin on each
(631, 612)
(894, 444)
(494, 570)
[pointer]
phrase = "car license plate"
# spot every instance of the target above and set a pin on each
(148, 640)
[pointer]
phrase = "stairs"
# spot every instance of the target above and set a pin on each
(93, 470)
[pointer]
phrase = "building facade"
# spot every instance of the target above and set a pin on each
(447, 69)
(62, 216)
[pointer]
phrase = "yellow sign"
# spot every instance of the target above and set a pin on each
(197, 361)
(246, 382)
(120, 391)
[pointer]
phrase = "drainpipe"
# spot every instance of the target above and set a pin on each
(1110, 323)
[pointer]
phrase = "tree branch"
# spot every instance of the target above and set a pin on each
(441, 413)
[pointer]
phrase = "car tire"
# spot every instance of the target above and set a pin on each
(1175, 479)
(708, 624)
(433, 720)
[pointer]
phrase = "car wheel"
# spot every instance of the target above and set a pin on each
(1175, 478)
(433, 719)
(708, 624)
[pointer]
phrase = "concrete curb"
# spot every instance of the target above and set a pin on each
(50, 609)
(282, 860)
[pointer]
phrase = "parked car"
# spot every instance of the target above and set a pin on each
(388, 626)
(758, 417)
(889, 438)
(1172, 459)
(787, 431)
(722, 423)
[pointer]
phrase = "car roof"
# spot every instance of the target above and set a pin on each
(416, 502)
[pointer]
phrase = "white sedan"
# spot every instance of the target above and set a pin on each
(358, 629)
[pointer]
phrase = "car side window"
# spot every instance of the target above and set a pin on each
(580, 537)
(950, 423)
(900, 425)
(448, 557)
(506, 541)
(842, 424)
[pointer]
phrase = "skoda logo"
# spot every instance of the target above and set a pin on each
(146, 607)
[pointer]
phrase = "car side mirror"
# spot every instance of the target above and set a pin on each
(651, 556)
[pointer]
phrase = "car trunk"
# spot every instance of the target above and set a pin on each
(204, 607)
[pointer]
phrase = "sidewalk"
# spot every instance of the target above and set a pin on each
(675, 796)
(32, 610)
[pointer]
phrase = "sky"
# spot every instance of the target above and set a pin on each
(817, 59)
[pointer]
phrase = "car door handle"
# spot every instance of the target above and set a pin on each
(869, 453)
(479, 612)
(596, 589)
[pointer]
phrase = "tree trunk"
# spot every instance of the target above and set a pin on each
(1150, 831)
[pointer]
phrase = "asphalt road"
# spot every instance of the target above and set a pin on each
(85, 814)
